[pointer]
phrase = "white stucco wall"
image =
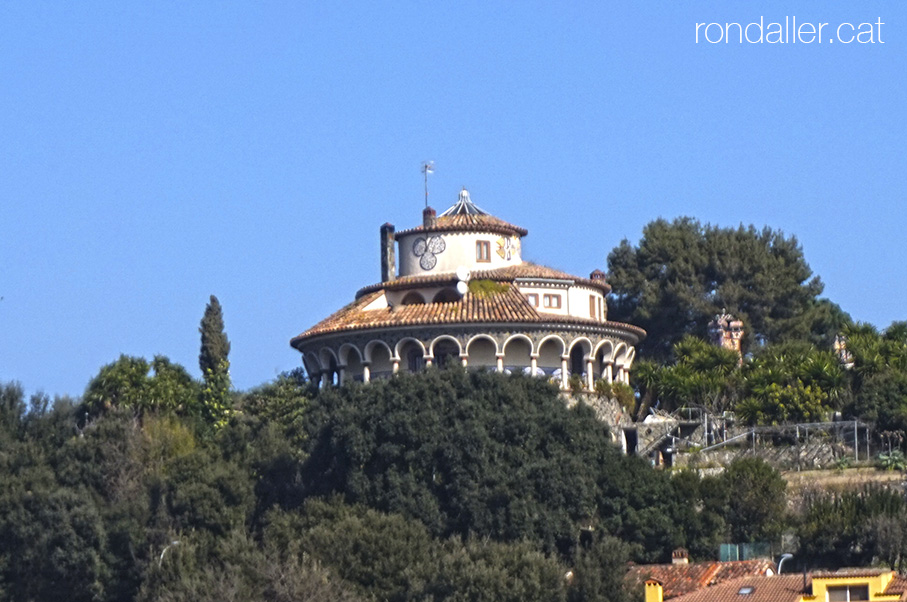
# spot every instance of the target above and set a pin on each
(459, 250)
(574, 299)
(579, 302)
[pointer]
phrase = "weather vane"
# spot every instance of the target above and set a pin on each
(427, 168)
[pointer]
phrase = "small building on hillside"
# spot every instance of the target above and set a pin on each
(456, 289)
(684, 577)
(841, 586)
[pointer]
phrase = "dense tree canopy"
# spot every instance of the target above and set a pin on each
(477, 454)
(879, 375)
(135, 383)
(683, 273)
(445, 485)
(780, 383)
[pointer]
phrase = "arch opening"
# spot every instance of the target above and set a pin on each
(577, 361)
(412, 356)
(481, 352)
(550, 352)
(353, 361)
(381, 365)
(413, 298)
(446, 353)
(517, 352)
(446, 295)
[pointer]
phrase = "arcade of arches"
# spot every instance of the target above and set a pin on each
(553, 355)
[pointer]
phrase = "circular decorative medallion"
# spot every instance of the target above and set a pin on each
(436, 245)
(428, 261)
(427, 249)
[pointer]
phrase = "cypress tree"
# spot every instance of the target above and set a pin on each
(214, 364)
(215, 345)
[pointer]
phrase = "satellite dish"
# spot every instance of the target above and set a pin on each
(462, 287)
(462, 273)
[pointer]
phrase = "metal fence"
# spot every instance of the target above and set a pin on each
(744, 551)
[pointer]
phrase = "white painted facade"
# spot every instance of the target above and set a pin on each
(460, 250)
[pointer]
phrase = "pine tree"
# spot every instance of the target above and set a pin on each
(214, 364)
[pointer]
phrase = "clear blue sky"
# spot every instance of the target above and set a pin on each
(154, 153)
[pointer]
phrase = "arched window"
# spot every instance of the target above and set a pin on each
(447, 295)
(577, 360)
(413, 298)
(446, 352)
(411, 356)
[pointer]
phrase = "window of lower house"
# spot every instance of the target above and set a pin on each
(552, 301)
(848, 593)
(533, 299)
(483, 251)
(593, 307)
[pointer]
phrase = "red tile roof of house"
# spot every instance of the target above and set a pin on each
(848, 573)
(467, 223)
(508, 306)
(898, 586)
(679, 579)
(775, 588)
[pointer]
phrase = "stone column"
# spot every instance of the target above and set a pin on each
(366, 372)
(325, 380)
(533, 363)
(396, 365)
(564, 383)
(464, 357)
(608, 372)
(341, 373)
(590, 377)
(428, 360)
(500, 362)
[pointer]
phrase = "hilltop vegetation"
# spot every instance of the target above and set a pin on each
(682, 274)
(441, 486)
(449, 485)
(445, 485)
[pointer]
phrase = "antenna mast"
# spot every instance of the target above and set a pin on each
(427, 168)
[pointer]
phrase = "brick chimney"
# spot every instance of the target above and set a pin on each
(429, 217)
(680, 556)
(388, 258)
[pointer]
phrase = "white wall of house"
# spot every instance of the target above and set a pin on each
(459, 250)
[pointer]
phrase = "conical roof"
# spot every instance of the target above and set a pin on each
(466, 216)
(463, 206)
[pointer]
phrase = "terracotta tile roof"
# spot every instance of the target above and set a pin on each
(510, 306)
(463, 222)
(847, 573)
(679, 579)
(743, 568)
(777, 588)
(506, 274)
(897, 587)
